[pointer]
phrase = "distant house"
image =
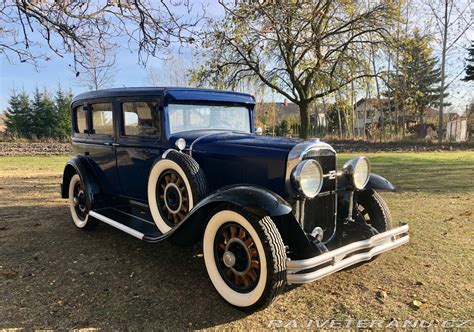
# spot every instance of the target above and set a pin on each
(368, 111)
(274, 113)
(2, 125)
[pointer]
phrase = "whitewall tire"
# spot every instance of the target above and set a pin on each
(175, 185)
(245, 258)
(77, 202)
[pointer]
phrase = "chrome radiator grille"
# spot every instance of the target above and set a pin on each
(320, 211)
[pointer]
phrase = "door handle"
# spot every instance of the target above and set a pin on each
(115, 144)
(107, 143)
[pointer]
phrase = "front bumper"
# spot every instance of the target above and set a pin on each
(341, 258)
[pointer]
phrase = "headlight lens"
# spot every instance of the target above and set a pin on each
(358, 170)
(308, 178)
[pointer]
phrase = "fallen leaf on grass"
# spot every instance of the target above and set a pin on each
(468, 213)
(416, 304)
(381, 294)
(9, 274)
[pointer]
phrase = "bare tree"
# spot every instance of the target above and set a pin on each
(301, 49)
(452, 21)
(70, 27)
(97, 71)
(175, 70)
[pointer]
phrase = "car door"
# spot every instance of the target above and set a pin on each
(100, 144)
(139, 144)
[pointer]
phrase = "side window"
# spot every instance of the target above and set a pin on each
(81, 120)
(140, 119)
(102, 119)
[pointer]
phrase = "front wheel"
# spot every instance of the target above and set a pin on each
(374, 210)
(245, 258)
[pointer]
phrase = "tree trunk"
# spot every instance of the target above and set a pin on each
(304, 116)
(389, 99)
(379, 107)
(443, 74)
(353, 109)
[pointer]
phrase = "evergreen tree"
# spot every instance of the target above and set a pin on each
(470, 64)
(62, 103)
(18, 115)
(44, 118)
(418, 84)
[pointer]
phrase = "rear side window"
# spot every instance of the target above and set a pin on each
(81, 120)
(102, 119)
(140, 119)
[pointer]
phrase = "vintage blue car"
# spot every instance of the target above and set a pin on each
(188, 165)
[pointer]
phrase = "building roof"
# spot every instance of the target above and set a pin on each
(372, 101)
(169, 94)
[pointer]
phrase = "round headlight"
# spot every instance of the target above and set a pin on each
(308, 178)
(358, 170)
(180, 144)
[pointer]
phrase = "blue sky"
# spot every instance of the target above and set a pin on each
(57, 71)
(128, 73)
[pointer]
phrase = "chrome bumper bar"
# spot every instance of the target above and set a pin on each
(341, 258)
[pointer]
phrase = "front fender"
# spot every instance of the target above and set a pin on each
(380, 183)
(255, 200)
(375, 182)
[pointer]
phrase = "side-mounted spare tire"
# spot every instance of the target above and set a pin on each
(175, 185)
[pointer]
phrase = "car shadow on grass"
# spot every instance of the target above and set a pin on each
(56, 276)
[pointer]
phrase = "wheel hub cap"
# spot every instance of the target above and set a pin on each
(173, 198)
(229, 259)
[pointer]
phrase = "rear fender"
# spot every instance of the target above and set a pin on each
(79, 165)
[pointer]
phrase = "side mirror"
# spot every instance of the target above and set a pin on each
(259, 131)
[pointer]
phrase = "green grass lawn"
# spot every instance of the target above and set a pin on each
(425, 171)
(409, 171)
(52, 275)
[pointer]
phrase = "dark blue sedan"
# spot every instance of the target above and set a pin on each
(189, 166)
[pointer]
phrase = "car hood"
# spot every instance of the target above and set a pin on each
(229, 158)
(204, 140)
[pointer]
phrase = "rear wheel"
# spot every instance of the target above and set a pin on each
(78, 204)
(245, 258)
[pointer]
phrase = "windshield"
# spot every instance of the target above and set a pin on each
(185, 117)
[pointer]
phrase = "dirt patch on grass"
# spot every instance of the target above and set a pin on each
(35, 149)
(55, 276)
(60, 148)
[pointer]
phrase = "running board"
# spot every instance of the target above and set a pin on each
(130, 222)
(118, 225)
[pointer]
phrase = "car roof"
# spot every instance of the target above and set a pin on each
(170, 94)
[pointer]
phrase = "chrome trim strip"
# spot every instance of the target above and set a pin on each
(338, 259)
(165, 154)
(117, 225)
